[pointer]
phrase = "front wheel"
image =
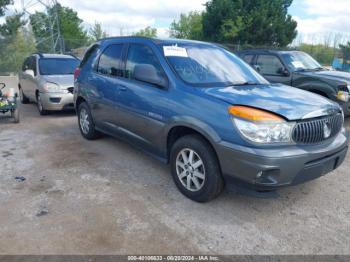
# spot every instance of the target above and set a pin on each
(195, 168)
(40, 105)
(86, 123)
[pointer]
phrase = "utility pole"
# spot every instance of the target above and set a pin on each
(52, 24)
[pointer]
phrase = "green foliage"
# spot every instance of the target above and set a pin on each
(322, 53)
(96, 32)
(16, 50)
(147, 32)
(71, 28)
(11, 25)
(188, 27)
(3, 4)
(253, 22)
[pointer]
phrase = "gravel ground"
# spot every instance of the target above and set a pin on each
(105, 197)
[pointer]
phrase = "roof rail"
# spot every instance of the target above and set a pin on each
(39, 54)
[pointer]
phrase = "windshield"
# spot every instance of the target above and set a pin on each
(297, 61)
(57, 66)
(203, 65)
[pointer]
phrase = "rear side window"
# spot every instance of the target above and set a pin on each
(111, 61)
(141, 54)
(269, 64)
(31, 64)
(89, 54)
(248, 59)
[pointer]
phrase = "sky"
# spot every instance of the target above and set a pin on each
(316, 18)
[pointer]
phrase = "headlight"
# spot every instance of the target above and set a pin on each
(343, 93)
(52, 88)
(260, 126)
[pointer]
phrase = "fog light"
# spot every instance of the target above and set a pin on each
(343, 96)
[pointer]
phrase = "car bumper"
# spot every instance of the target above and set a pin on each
(57, 101)
(270, 169)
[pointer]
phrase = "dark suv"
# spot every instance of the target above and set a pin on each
(300, 70)
(207, 113)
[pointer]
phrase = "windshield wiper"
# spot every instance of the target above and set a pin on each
(248, 83)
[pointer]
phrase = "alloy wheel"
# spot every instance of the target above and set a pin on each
(190, 170)
(84, 121)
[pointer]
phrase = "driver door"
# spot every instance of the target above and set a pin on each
(271, 67)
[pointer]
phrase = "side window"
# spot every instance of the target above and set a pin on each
(92, 50)
(25, 65)
(111, 61)
(269, 65)
(248, 59)
(140, 54)
(32, 64)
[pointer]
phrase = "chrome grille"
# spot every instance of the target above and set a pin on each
(313, 131)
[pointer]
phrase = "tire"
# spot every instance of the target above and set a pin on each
(15, 115)
(22, 97)
(40, 106)
(87, 129)
(206, 181)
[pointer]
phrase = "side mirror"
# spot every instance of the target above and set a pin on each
(148, 74)
(257, 68)
(29, 72)
(283, 72)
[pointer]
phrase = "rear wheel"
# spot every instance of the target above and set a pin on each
(22, 97)
(40, 106)
(195, 168)
(86, 123)
(15, 115)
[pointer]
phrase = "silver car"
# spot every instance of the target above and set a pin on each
(48, 80)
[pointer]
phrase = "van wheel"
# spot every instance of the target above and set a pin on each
(22, 97)
(40, 106)
(86, 123)
(15, 115)
(195, 169)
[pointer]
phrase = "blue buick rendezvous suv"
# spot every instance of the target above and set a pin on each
(208, 114)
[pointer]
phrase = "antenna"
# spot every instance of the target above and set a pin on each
(52, 22)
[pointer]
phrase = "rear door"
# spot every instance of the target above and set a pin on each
(272, 68)
(105, 81)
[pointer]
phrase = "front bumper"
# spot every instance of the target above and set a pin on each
(270, 169)
(57, 101)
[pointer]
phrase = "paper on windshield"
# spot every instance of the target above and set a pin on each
(298, 64)
(175, 51)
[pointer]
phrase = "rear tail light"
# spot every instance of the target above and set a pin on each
(76, 73)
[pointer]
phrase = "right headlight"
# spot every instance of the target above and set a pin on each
(259, 126)
(52, 88)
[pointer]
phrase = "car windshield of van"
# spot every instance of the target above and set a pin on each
(300, 61)
(206, 65)
(58, 66)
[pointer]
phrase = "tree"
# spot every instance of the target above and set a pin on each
(3, 4)
(97, 33)
(21, 45)
(147, 32)
(71, 28)
(252, 22)
(188, 27)
(11, 25)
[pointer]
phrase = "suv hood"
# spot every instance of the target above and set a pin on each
(64, 81)
(286, 101)
(336, 76)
